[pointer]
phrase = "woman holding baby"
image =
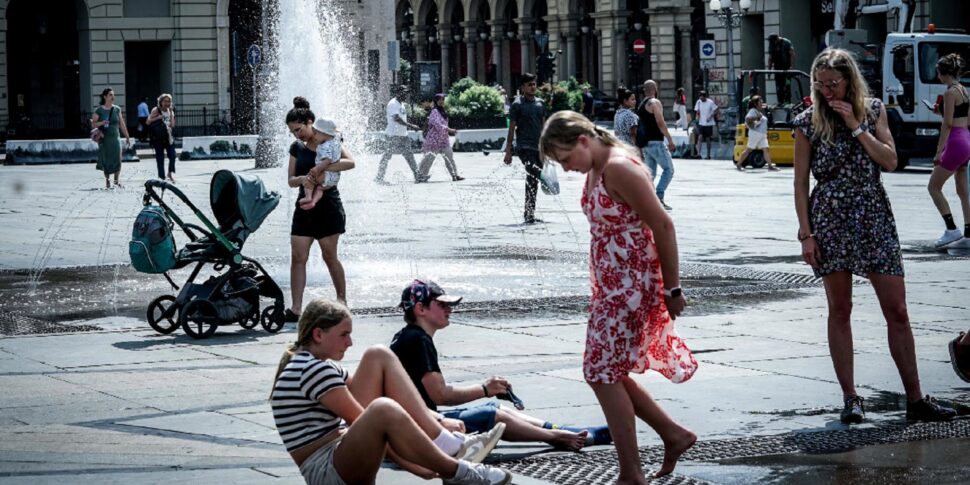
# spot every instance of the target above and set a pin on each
(323, 221)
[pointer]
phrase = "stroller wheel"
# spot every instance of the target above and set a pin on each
(199, 319)
(273, 319)
(251, 321)
(163, 314)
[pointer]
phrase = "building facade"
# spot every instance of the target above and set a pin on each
(56, 57)
(608, 43)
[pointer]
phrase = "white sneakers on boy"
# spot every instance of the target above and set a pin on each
(477, 446)
(478, 474)
(962, 243)
(949, 236)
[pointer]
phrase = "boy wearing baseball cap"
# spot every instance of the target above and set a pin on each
(427, 309)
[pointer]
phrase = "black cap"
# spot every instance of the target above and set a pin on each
(423, 292)
(772, 36)
(753, 89)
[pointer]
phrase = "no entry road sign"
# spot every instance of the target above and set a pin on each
(639, 46)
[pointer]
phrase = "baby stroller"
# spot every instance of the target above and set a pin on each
(240, 203)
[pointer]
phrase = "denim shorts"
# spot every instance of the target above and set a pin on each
(478, 419)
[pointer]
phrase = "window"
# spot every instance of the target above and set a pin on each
(931, 52)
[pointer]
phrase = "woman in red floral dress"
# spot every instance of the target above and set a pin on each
(635, 288)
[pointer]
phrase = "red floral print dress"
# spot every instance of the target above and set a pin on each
(629, 328)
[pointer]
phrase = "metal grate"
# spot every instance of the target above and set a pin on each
(600, 467)
(16, 323)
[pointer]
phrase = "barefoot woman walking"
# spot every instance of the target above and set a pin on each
(635, 287)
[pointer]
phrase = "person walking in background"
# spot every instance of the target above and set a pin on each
(436, 142)
(338, 426)
(143, 119)
(636, 295)
(588, 102)
(846, 225)
(705, 110)
(757, 124)
(397, 140)
(326, 220)
(164, 141)
(108, 118)
(655, 151)
(781, 56)
(625, 121)
(952, 153)
(680, 107)
(526, 117)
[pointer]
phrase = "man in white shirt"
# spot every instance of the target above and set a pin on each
(397, 140)
(705, 109)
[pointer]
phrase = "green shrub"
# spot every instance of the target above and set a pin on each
(481, 101)
(460, 86)
(219, 146)
(564, 95)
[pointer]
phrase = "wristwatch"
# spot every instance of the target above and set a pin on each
(673, 292)
(858, 131)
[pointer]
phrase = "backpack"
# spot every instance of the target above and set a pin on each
(158, 133)
(152, 245)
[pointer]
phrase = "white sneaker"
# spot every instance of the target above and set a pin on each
(962, 243)
(949, 236)
(478, 474)
(477, 446)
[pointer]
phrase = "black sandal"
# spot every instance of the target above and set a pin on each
(290, 317)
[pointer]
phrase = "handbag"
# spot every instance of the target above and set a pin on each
(97, 135)
(158, 132)
(549, 179)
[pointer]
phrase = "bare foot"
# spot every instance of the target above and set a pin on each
(567, 440)
(673, 450)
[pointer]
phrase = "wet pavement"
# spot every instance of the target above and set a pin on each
(93, 395)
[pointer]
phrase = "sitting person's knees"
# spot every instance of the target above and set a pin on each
(379, 351)
(384, 406)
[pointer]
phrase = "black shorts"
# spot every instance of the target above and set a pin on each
(325, 219)
(706, 131)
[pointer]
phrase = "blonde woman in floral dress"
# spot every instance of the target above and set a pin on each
(635, 288)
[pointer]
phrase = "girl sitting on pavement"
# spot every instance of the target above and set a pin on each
(635, 287)
(337, 426)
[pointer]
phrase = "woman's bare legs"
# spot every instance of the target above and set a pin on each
(891, 291)
(328, 246)
(935, 188)
(677, 439)
(623, 400)
(963, 192)
(385, 422)
(299, 253)
(618, 409)
(838, 292)
(380, 374)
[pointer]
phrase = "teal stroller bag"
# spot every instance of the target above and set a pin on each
(152, 245)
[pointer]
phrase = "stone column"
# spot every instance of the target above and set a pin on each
(420, 40)
(470, 39)
(526, 42)
(444, 38)
(683, 51)
(499, 43)
(569, 63)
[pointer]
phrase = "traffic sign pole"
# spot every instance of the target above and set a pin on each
(254, 56)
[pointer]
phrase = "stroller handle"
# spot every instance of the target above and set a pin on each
(151, 194)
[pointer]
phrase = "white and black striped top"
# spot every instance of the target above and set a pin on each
(300, 418)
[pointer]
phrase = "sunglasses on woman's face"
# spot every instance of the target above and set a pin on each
(828, 84)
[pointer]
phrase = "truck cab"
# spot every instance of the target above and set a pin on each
(910, 90)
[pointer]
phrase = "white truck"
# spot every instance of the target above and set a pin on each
(902, 73)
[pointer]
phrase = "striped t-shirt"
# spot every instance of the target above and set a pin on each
(300, 418)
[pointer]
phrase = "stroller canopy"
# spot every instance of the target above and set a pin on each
(240, 198)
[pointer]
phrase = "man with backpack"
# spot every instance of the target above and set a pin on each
(651, 133)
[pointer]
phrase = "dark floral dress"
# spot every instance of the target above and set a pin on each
(849, 210)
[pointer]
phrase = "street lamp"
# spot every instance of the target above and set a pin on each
(637, 25)
(730, 18)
